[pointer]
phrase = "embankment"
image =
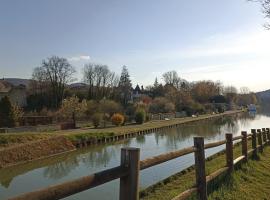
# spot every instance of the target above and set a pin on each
(34, 150)
(12, 152)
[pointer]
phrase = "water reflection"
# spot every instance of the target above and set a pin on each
(89, 160)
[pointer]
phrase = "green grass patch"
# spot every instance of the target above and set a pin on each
(178, 183)
(90, 135)
(249, 182)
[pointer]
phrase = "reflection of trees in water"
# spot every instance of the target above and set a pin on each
(94, 157)
(61, 169)
(140, 139)
(207, 128)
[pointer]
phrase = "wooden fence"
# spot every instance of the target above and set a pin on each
(130, 167)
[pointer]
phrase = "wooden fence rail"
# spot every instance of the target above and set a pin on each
(130, 167)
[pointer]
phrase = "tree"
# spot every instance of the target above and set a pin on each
(161, 105)
(202, 91)
(101, 81)
(6, 113)
(71, 108)
(58, 73)
(230, 93)
(125, 86)
(17, 113)
(265, 9)
(172, 78)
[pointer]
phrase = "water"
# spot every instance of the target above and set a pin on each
(39, 174)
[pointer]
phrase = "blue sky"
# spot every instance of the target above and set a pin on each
(211, 39)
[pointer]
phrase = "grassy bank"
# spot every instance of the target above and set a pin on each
(10, 139)
(178, 183)
(249, 183)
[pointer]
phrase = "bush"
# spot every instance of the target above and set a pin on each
(140, 116)
(96, 119)
(117, 119)
(161, 105)
(6, 113)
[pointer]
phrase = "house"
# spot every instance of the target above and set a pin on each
(137, 93)
(15, 92)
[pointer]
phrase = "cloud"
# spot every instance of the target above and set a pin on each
(79, 58)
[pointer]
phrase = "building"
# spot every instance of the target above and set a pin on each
(137, 93)
(15, 92)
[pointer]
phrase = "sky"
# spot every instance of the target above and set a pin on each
(219, 40)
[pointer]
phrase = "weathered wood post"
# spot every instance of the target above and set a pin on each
(200, 168)
(254, 142)
(229, 151)
(129, 185)
(259, 131)
(264, 135)
(268, 134)
(244, 145)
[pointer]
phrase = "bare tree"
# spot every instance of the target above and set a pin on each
(172, 78)
(265, 9)
(58, 72)
(100, 80)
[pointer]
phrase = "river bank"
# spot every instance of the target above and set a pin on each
(27, 147)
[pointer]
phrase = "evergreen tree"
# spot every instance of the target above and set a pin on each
(6, 113)
(125, 86)
(156, 83)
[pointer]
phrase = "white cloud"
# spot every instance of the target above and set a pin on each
(79, 58)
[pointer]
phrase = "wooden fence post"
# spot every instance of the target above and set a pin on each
(200, 168)
(229, 151)
(259, 131)
(244, 145)
(268, 134)
(129, 185)
(264, 136)
(254, 142)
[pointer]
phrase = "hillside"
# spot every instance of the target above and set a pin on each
(264, 96)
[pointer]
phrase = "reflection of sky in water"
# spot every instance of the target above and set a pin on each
(39, 174)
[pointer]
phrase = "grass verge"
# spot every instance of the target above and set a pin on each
(248, 183)
(178, 183)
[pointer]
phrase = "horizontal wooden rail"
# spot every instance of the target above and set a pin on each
(214, 144)
(239, 159)
(72, 187)
(149, 162)
(216, 174)
(186, 194)
(237, 138)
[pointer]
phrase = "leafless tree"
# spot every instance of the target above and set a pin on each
(265, 9)
(172, 78)
(58, 72)
(100, 80)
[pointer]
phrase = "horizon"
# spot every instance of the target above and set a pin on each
(228, 45)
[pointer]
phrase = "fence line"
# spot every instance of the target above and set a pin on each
(130, 166)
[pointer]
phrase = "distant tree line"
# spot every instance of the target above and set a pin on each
(106, 94)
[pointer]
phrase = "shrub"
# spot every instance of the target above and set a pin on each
(117, 119)
(161, 105)
(140, 116)
(72, 108)
(6, 113)
(96, 119)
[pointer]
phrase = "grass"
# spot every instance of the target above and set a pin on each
(249, 182)
(11, 139)
(178, 183)
(88, 135)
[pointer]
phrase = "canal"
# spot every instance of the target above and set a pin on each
(42, 173)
